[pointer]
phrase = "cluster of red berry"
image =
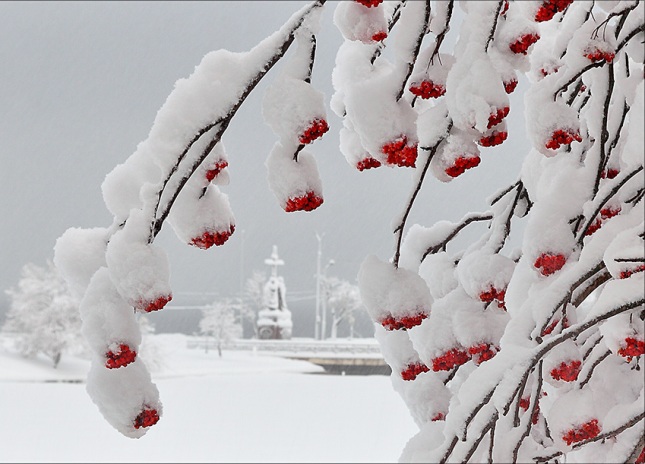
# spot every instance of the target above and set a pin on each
(628, 272)
(213, 172)
(567, 372)
(146, 418)
(524, 404)
(156, 305)
(369, 3)
(509, 86)
(521, 45)
(586, 431)
(563, 137)
(596, 55)
(549, 328)
(439, 416)
(549, 263)
(496, 117)
(504, 8)
(633, 347)
(605, 214)
(495, 138)
(316, 129)
(412, 370)
(549, 8)
(208, 238)
(368, 163)
(641, 457)
(494, 294)
(307, 202)
(122, 357)
(450, 359)
(482, 352)
(404, 323)
(461, 164)
(545, 72)
(427, 89)
(400, 153)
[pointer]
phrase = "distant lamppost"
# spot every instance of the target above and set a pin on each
(317, 319)
(324, 300)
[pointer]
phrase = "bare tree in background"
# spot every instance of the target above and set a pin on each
(501, 355)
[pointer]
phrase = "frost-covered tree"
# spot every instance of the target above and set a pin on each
(343, 300)
(220, 322)
(501, 354)
(43, 315)
(253, 299)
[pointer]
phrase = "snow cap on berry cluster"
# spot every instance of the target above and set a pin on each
(511, 39)
(427, 398)
(627, 244)
(355, 154)
(436, 71)
(292, 180)
(433, 124)
(202, 216)
(358, 22)
(290, 106)
(140, 271)
(569, 413)
(377, 117)
(473, 325)
(386, 290)
(78, 254)
(121, 187)
(126, 397)
(618, 329)
(475, 91)
(565, 359)
(397, 349)
(480, 271)
(108, 319)
(213, 168)
(438, 270)
(458, 154)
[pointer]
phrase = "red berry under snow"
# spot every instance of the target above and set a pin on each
(307, 202)
(496, 117)
(379, 36)
(461, 164)
(495, 138)
(146, 418)
(633, 347)
(404, 323)
(549, 328)
(427, 89)
(628, 272)
(400, 153)
(584, 432)
(525, 403)
(593, 227)
(450, 359)
(216, 169)
(316, 129)
(121, 357)
(482, 352)
(521, 45)
(548, 263)
(413, 370)
(208, 238)
(596, 55)
(156, 305)
(549, 8)
(369, 3)
(609, 212)
(566, 372)
(509, 86)
(368, 163)
(494, 294)
(609, 174)
(563, 137)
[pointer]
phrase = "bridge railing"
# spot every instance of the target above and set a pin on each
(352, 347)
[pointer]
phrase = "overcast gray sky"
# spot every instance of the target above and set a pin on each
(80, 84)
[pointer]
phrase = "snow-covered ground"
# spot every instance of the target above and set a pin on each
(238, 408)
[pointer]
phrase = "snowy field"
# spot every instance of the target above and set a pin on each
(238, 408)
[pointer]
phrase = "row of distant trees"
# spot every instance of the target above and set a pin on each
(44, 315)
